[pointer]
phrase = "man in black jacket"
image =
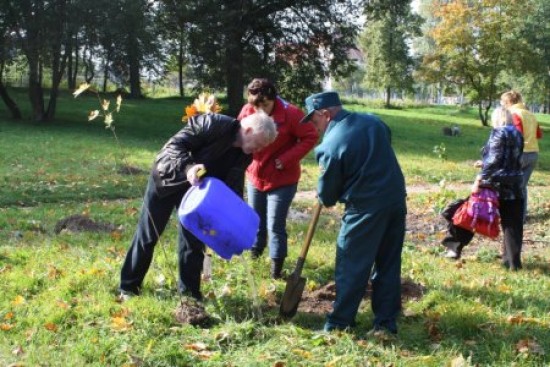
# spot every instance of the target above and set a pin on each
(216, 143)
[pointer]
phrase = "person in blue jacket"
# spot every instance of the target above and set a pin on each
(359, 169)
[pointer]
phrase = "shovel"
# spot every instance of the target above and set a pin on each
(295, 283)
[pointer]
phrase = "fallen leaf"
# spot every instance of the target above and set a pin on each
(116, 235)
(123, 312)
(18, 300)
(120, 323)
(53, 272)
(302, 353)
(529, 346)
(18, 351)
(196, 346)
(51, 326)
(62, 304)
(6, 327)
(8, 316)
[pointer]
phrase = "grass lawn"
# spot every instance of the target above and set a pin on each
(58, 287)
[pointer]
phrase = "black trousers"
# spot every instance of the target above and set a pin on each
(155, 214)
(511, 221)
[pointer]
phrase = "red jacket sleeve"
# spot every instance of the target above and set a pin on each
(517, 123)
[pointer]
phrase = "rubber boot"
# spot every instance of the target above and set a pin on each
(276, 268)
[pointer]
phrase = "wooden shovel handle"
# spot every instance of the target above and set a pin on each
(311, 229)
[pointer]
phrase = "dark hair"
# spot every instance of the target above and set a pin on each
(261, 89)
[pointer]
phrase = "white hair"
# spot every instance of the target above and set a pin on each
(501, 117)
(261, 123)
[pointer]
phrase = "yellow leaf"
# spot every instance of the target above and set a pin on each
(105, 105)
(92, 115)
(50, 326)
(120, 323)
(18, 300)
(302, 353)
(116, 235)
(123, 312)
(8, 316)
(54, 272)
(226, 290)
(62, 304)
(6, 327)
(82, 88)
(190, 111)
(196, 346)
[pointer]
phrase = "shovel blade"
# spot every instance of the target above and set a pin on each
(292, 296)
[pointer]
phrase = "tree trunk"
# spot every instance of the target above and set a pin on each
(58, 67)
(72, 62)
(180, 64)
(133, 64)
(482, 113)
(36, 93)
(388, 96)
(10, 103)
(105, 76)
(234, 55)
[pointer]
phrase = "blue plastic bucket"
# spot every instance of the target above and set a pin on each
(219, 218)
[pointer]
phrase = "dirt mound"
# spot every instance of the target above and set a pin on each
(81, 223)
(130, 170)
(320, 300)
(411, 290)
(190, 312)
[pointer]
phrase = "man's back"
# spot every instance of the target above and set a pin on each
(359, 166)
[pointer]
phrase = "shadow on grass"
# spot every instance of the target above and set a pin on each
(543, 267)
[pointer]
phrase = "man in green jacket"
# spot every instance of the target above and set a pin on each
(359, 169)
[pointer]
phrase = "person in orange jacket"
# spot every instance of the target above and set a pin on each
(273, 175)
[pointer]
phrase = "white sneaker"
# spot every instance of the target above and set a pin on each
(450, 254)
(124, 296)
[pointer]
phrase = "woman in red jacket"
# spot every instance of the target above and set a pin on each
(274, 172)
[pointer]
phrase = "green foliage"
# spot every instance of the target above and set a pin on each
(388, 64)
(473, 46)
(440, 151)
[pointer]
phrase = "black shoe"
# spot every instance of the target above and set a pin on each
(276, 268)
(255, 253)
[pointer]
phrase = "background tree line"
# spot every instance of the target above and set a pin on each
(471, 48)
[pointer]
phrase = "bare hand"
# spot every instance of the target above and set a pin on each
(475, 186)
(478, 164)
(195, 173)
